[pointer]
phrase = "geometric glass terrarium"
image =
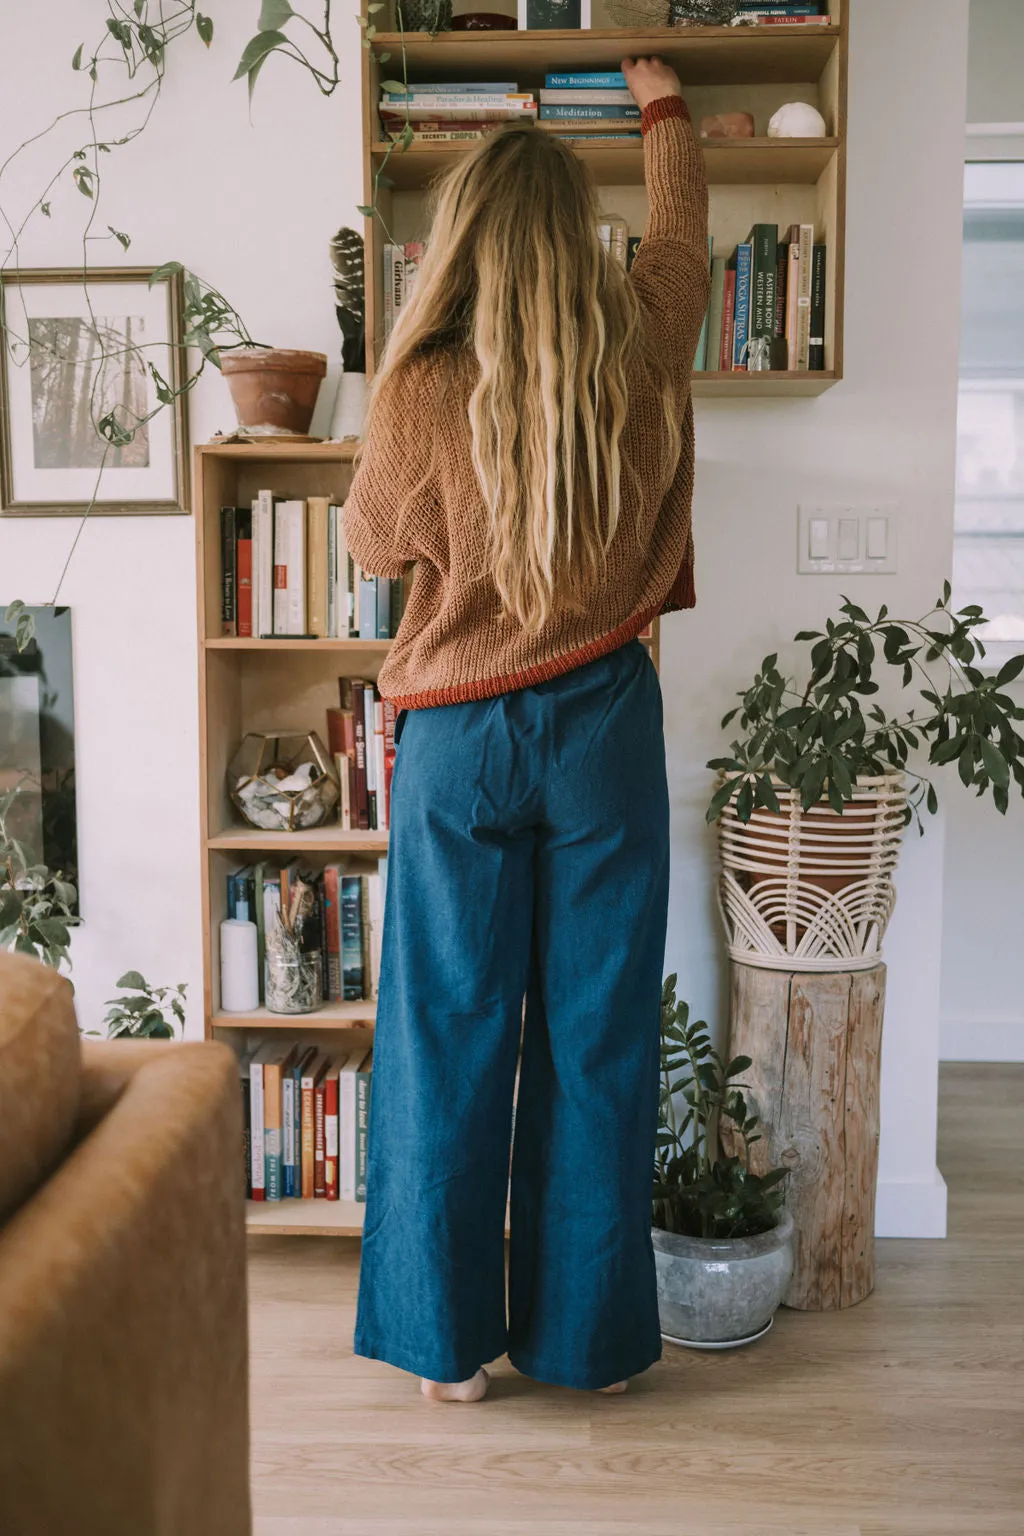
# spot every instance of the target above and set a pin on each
(282, 783)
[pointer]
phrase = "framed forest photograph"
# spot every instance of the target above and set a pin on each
(83, 365)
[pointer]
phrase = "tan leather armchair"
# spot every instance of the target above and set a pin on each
(123, 1344)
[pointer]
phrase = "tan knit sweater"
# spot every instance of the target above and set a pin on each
(455, 642)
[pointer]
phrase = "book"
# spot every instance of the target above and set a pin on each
(342, 769)
(816, 341)
(301, 1058)
(347, 1129)
(316, 565)
(243, 571)
(595, 80)
(583, 97)
(700, 359)
(371, 758)
(460, 88)
(315, 1064)
(361, 811)
(728, 318)
(763, 240)
(228, 609)
(632, 246)
(246, 1087)
(613, 232)
(263, 563)
(351, 938)
(414, 250)
(257, 1137)
(779, 351)
(394, 285)
(715, 306)
(375, 921)
(568, 113)
(288, 1126)
(273, 1063)
(458, 106)
(390, 716)
(798, 314)
(741, 317)
(331, 1130)
(367, 607)
(332, 896)
(319, 1129)
(363, 1081)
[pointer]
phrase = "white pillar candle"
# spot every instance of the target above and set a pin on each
(239, 975)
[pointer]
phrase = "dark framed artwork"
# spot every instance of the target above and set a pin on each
(37, 740)
(77, 365)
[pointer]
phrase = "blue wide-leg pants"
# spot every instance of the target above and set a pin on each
(528, 859)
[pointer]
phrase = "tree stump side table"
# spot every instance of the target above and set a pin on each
(815, 1040)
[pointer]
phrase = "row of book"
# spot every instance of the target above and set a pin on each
(767, 305)
(306, 1113)
(361, 739)
(341, 933)
(286, 573)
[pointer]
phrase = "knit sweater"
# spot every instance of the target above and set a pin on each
(455, 641)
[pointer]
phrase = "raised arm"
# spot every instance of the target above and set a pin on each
(670, 271)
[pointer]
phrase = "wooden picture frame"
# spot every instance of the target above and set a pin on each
(62, 361)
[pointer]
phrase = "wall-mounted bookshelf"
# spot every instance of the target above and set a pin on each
(753, 69)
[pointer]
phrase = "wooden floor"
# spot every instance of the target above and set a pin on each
(902, 1417)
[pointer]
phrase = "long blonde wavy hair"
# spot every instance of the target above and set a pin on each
(515, 273)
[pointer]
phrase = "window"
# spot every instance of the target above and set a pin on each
(988, 562)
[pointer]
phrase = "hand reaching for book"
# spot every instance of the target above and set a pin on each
(650, 79)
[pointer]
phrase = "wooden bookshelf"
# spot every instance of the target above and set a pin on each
(257, 684)
(752, 69)
(270, 685)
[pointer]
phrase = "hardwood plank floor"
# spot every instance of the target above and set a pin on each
(901, 1417)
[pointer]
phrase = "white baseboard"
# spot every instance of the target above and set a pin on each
(911, 1209)
(967, 1040)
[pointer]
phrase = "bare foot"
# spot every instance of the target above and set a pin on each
(617, 1386)
(470, 1391)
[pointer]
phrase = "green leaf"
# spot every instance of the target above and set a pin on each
(365, 210)
(1013, 668)
(204, 26)
(994, 763)
(161, 274)
(274, 14)
(394, 87)
(83, 179)
(134, 980)
(123, 240)
(122, 31)
(76, 62)
(255, 53)
(407, 136)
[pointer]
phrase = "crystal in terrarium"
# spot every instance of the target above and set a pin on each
(284, 782)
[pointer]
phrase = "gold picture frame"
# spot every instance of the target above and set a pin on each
(50, 452)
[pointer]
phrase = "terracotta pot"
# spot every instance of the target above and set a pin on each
(274, 391)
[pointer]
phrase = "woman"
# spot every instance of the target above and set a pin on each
(530, 449)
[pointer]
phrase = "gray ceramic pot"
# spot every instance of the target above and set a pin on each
(721, 1290)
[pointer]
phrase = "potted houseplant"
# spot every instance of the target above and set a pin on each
(37, 906)
(147, 1012)
(723, 1242)
(816, 791)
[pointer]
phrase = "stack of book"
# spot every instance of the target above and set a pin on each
(597, 104)
(286, 573)
(306, 1114)
(342, 933)
(361, 739)
(776, 12)
(767, 307)
(440, 113)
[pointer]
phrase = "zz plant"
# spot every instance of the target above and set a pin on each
(819, 736)
(697, 1191)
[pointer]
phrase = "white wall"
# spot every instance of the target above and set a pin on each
(982, 1002)
(886, 433)
(251, 208)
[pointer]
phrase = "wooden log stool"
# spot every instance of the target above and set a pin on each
(815, 1041)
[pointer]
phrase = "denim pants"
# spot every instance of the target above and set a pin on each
(528, 859)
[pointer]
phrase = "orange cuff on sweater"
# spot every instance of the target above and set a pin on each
(658, 111)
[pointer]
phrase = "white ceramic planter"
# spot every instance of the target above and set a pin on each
(721, 1291)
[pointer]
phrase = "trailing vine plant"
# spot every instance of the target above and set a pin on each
(133, 48)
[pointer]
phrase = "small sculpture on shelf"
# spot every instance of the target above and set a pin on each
(727, 125)
(283, 782)
(797, 120)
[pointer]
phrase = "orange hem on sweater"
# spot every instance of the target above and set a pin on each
(543, 672)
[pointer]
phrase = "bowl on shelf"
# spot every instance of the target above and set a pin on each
(283, 782)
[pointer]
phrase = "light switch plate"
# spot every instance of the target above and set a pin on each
(839, 539)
